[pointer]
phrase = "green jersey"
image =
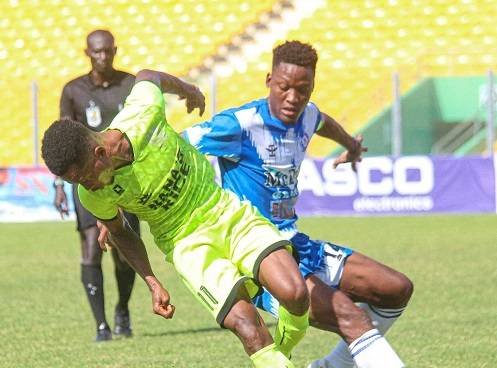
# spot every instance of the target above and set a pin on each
(168, 180)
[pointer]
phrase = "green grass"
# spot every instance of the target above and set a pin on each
(451, 321)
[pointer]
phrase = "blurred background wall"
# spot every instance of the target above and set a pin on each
(413, 76)
(437, 47)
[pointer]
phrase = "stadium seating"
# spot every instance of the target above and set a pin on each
(360, 45)
(43, 41)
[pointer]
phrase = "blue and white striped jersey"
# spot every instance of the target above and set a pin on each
(259, 156)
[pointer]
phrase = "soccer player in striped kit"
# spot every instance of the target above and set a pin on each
(260, 147)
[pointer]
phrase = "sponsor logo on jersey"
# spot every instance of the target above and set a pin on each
(118, 189)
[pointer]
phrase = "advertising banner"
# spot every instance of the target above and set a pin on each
(27, 194)
(381, 186)
(403, 185)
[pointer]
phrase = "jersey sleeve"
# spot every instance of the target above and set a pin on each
(319, 117)
(145, 103)
(66, 104)
(145, 93)
(220, 137)
(143, 115)
(101, 209)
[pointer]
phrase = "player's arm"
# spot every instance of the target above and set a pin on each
(133, 249)
(331, 129)
(66, 106)
(60, 200)
(170, 84)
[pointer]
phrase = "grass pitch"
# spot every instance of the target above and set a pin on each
(451, 322)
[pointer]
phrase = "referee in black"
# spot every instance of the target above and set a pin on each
(94, 99)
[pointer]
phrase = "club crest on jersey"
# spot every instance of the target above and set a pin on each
(93, 114)
(272, 150)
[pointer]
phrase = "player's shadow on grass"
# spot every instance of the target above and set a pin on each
(194, 331)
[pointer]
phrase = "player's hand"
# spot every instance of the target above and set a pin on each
(194, 99)
(352, 155)
(103, 237)
(60, 201)
(160, 302)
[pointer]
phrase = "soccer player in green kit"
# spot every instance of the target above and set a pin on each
(222, 247)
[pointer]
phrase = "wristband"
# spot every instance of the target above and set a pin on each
(58, 182)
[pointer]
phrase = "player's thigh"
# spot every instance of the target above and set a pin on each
(252, 239)
(280, 275)
(366, 280)
(260, 251)
(212, 278)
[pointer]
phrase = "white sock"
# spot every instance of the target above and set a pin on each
(339, 357)
(382, 319)
(372, 350)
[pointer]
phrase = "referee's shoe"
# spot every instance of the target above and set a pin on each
(122, 326)
(103, 333)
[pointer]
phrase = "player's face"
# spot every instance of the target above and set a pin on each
(290, 88)
(94, 175)
(101, 51)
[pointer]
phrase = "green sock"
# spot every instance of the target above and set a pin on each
(290, 330)
(270, 357)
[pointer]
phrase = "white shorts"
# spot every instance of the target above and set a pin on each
(329, 269)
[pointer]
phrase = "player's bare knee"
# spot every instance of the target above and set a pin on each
(407, 288)
(91, 259)
(401, 289)
(91, 254)
(295, 298)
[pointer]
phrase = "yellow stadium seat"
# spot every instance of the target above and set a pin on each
(43, 40)
(360, 45)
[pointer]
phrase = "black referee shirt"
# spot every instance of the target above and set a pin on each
(95, 106)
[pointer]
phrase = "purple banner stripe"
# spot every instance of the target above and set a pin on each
(405, 185)
(382, 185)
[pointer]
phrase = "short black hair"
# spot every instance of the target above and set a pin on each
(297, 53)
(65, 143)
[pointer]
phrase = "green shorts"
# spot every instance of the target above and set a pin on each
(223, 251)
